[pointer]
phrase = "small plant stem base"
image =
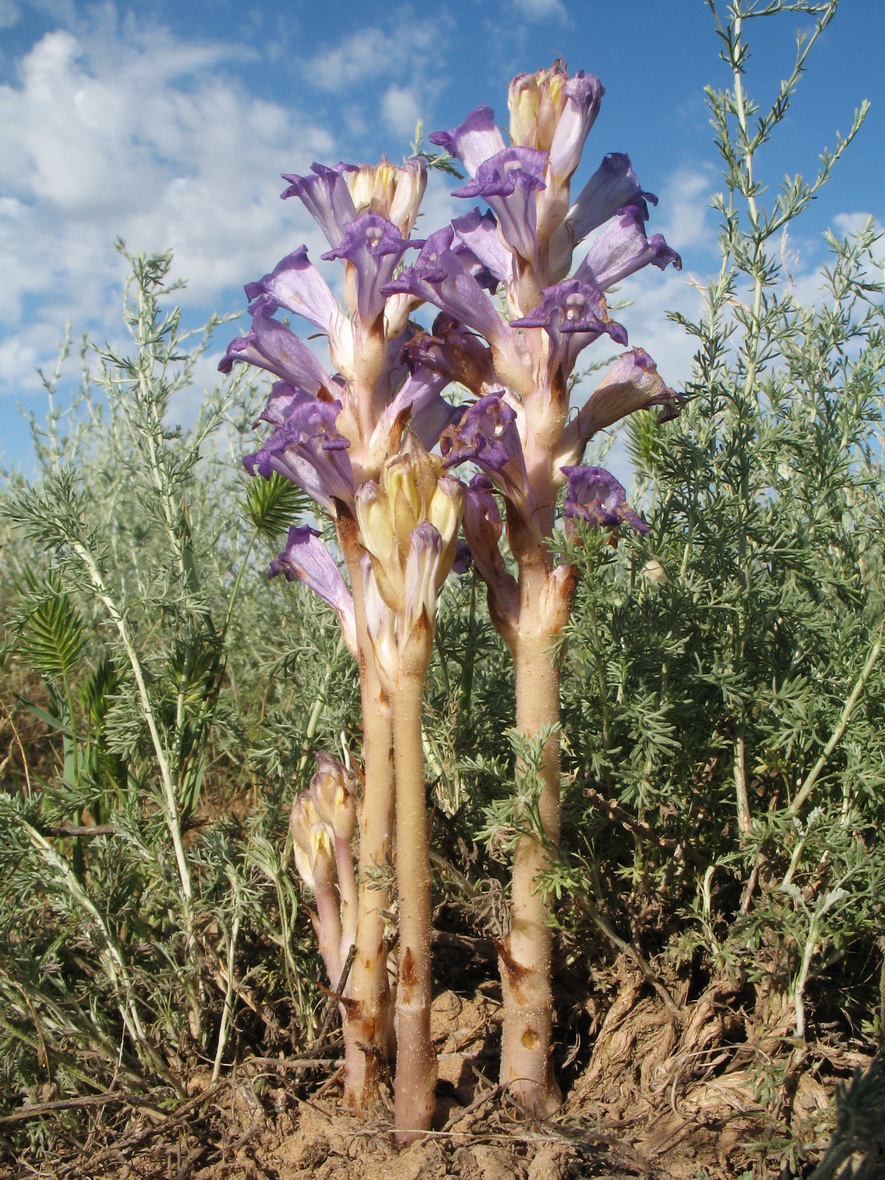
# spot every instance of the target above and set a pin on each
(368, 1026)
(526, 1069)
(415, 1058)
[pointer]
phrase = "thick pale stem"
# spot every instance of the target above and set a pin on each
(368, 1026)
(526, 1067)
(415, 1058)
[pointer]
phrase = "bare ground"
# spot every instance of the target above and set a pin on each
(670, 1089)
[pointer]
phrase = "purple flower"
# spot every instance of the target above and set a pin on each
(632, 384)
(373, 246)
(270, 345)
(453, 353)
(594, 495)
(281, 403)
(552, 112)
(418, 403)
(326, 197)
(476, 140)
(622, 248)
(583, 95)
(478, 232)
(508, 182)
(482, 529)
(487, 436)
(298, 286)
(307, 559)
(574, 314)
(308, 449)
(440, 275)
(611, 187)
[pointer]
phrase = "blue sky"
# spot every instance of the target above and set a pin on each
(169, 123)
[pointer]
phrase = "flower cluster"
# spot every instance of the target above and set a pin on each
(375, 442)
(518, 431)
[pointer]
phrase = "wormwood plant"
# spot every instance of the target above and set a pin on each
(724, 719)
(128, 905)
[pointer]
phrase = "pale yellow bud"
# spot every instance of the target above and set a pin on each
(446, 507)
(332, 791)
(373, 517)
(390, 190)
(312, 843)
(536, 104)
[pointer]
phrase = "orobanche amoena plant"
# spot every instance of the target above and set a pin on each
(373, 442)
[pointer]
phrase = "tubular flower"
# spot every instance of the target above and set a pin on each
(476, 140)
(307, 559)
(507, 182)
(633, 383)
(296, 284)
(307, 448)
(326, 197)
(554, 113)
(270, 345)
(381, 625)
(574, 314)
(483, 528)
(478, 233)
(442, 276)
(373, 247)
(453, 353)
(622, 249)
(594, 495)
(487, 435)
(421, 581)
(612, 186)
(413, 491)
(418, 402)
(313, 841)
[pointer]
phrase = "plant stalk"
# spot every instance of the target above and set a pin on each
(525, 956)
(368, 1026)
(415, 1057)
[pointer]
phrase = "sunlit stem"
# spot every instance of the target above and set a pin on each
(415, 1057)
(368, 1028)
(525, 957)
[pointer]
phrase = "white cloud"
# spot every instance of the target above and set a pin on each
(538, 10)
(847, 224)
(361, 57)
(401, 109)
(135, 134)
(683, 214)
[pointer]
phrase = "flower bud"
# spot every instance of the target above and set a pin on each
(381, 624)
(536, 103)
(332, 791)
(390, 190)
(313, 841)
